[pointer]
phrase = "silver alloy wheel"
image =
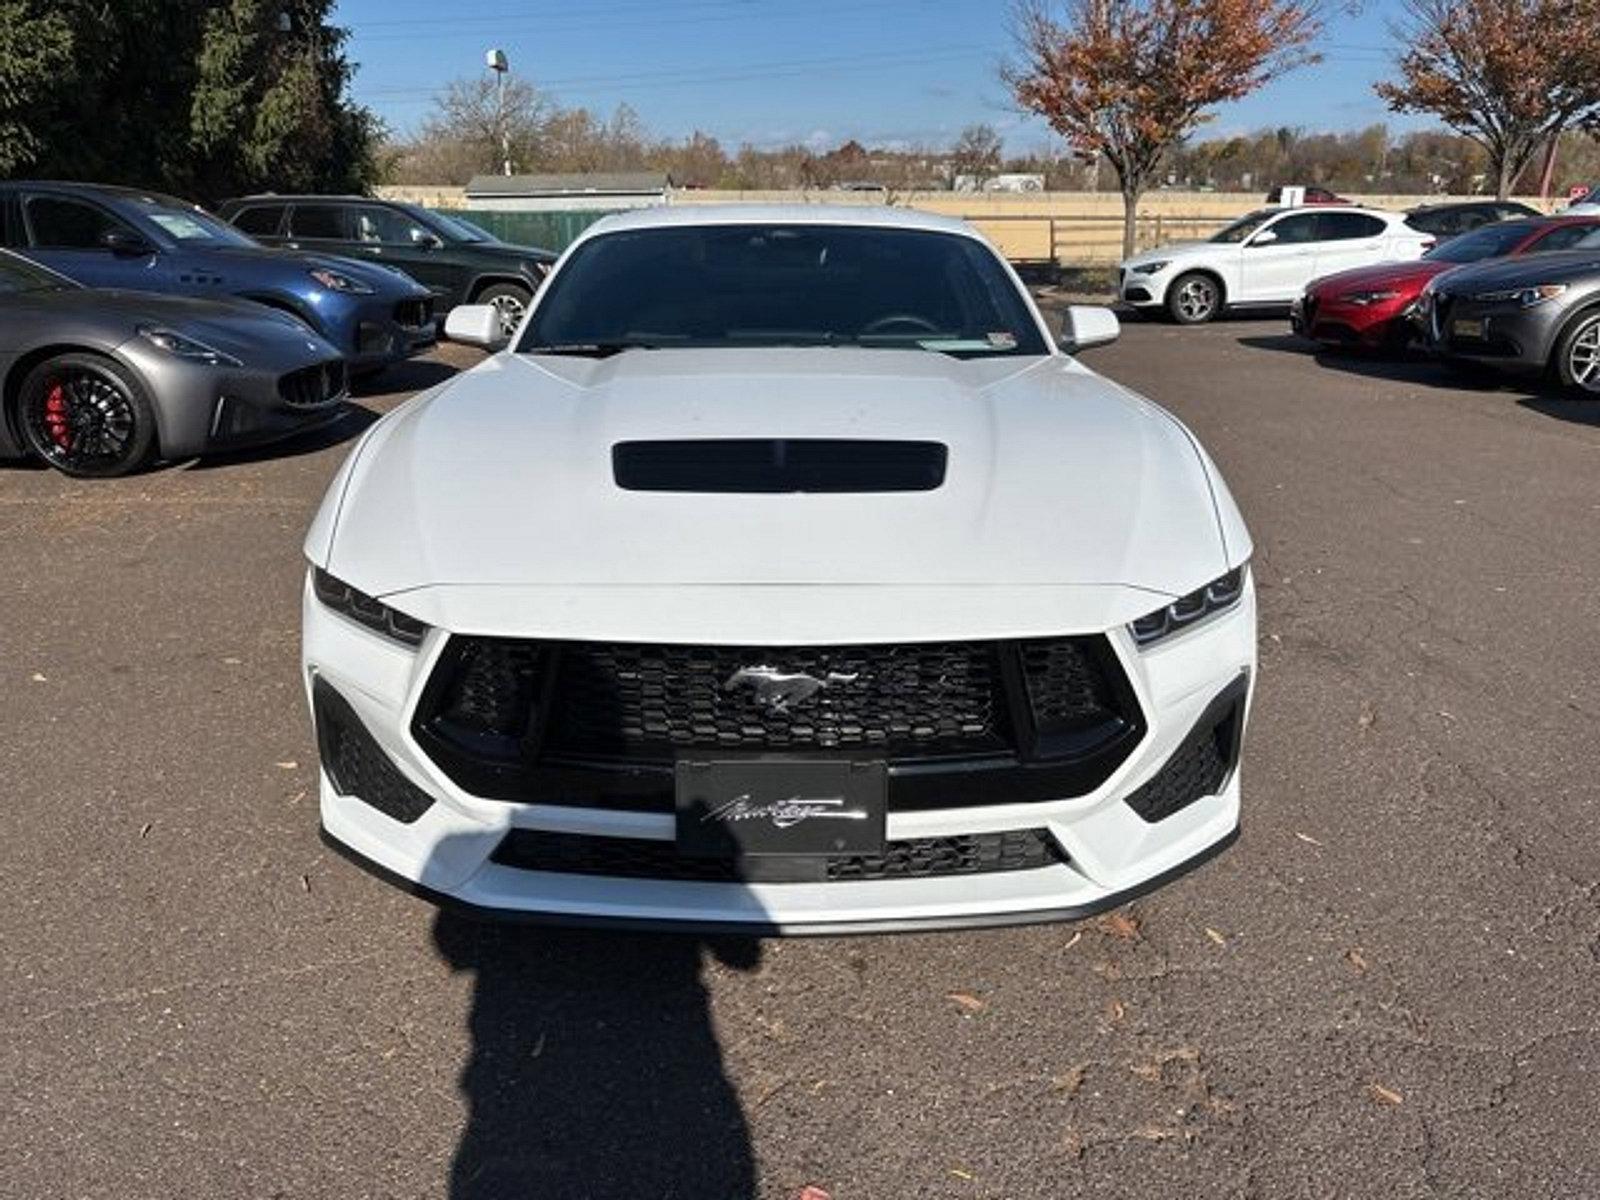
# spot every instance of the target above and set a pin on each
(1197, 298)
(511, 312)
(1583, 357)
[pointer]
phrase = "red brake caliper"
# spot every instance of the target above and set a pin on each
(57, 417)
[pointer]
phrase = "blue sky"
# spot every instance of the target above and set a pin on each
(777, 71)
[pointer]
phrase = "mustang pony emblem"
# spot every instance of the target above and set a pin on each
(778, 691)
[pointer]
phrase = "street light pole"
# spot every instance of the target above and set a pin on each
(501, 66)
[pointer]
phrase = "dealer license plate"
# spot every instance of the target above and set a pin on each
(729, 808)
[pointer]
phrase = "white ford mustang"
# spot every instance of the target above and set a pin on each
(784, 575)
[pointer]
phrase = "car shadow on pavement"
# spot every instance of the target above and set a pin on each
(352, 421)
(594, 1067)
(413, 375)
(1579, 412)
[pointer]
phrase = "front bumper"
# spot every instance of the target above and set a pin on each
(451, 852)
(375, 331)
(1498, 333)
(1336, 323)
(203, 409)
(1143, 291)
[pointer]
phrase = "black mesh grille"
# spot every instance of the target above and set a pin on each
(1198, 768)
(311, 386)
(616, 700)
(492, 691)
(920, 858)
(413, 314)
(356, 764)
(1067, 688)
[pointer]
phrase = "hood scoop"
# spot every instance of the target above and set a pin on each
(775, 465)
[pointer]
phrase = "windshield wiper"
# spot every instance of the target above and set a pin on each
(589, 349)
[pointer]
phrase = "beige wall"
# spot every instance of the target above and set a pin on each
(1074, 228)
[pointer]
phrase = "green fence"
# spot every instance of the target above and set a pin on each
(549, 230)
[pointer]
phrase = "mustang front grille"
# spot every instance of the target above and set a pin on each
(602, 723)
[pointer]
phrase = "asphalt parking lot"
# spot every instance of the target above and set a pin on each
(1386, 989)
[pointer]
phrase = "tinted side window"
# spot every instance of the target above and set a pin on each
(318, 221)
(1562, 237)
(1434, 222)
(1301, 227)
(259, 220)
(11, 222)
(61, 224)
(1339, 227)
(375, 224)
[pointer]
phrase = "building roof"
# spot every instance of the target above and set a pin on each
(605, 183)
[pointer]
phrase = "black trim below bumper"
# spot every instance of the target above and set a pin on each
(772, 929)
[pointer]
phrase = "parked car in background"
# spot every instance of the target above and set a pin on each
(100, 383)
(1375, 307)
(455, 259)
(1304, 195)
(1264, 258)
(1586, 204)
(1537, 312)
(125, 238)
(786, 575)
(1451, 220)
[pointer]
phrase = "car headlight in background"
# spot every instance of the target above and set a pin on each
(1149, 268)
(336, 281)
(181, 346)
(1527, 297)
(1219, 594)
(1368, 296)
(364, 610)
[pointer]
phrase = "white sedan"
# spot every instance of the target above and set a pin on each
(1265, 258)
(786, 574)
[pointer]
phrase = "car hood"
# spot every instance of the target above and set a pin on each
(1398, 276)
(504, 477)
(238, 327)
(383, 280)
(1171, 251)
(1564, 266)
(501, 250)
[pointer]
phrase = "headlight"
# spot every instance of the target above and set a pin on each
(180, 346)
(1364, 298)
(1217, 595)
(364, 610)
(1149, 268)
(1527, 297)
(336, 281)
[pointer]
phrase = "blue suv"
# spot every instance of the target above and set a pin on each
(111, 237)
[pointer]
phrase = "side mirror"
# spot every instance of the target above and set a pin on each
(122, 241)
(1084, 326)
(476, 325)
(428, 241)
(1265, 238)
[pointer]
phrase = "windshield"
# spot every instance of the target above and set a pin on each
(454, 228)
(1245, 225)
(20, 275)
(1489, 242)
(191, 226)
(784, 285)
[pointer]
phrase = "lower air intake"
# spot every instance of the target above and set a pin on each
(916, 858)
(357, 765)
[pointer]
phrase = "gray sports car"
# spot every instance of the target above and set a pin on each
(1532, 312)
(100, 383)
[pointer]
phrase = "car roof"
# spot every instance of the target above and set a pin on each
(94, 189)
(873, 216)
(1447, 205)
(294, 197)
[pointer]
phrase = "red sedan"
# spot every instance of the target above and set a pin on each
(1371, 307)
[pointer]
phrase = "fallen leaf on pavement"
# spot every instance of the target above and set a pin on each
(305, 883)
(1215, 936)
(1384, 1095)
(1072, 1144)
(287, 765)
(1073, 940)
(1115, 1011)
(812, 1193)
(967, 1002)
(39, 678)
(1306, 837)
(1124, 926)
(960, 1174)
(1353, 957)
(145, 829)
(1069, 1083)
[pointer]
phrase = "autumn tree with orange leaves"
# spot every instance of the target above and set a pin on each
(1509, 74)
(1127, 80)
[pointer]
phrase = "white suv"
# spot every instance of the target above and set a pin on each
(1264, 258)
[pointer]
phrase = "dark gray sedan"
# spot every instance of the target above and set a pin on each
(1537, 312)
(100, 383)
